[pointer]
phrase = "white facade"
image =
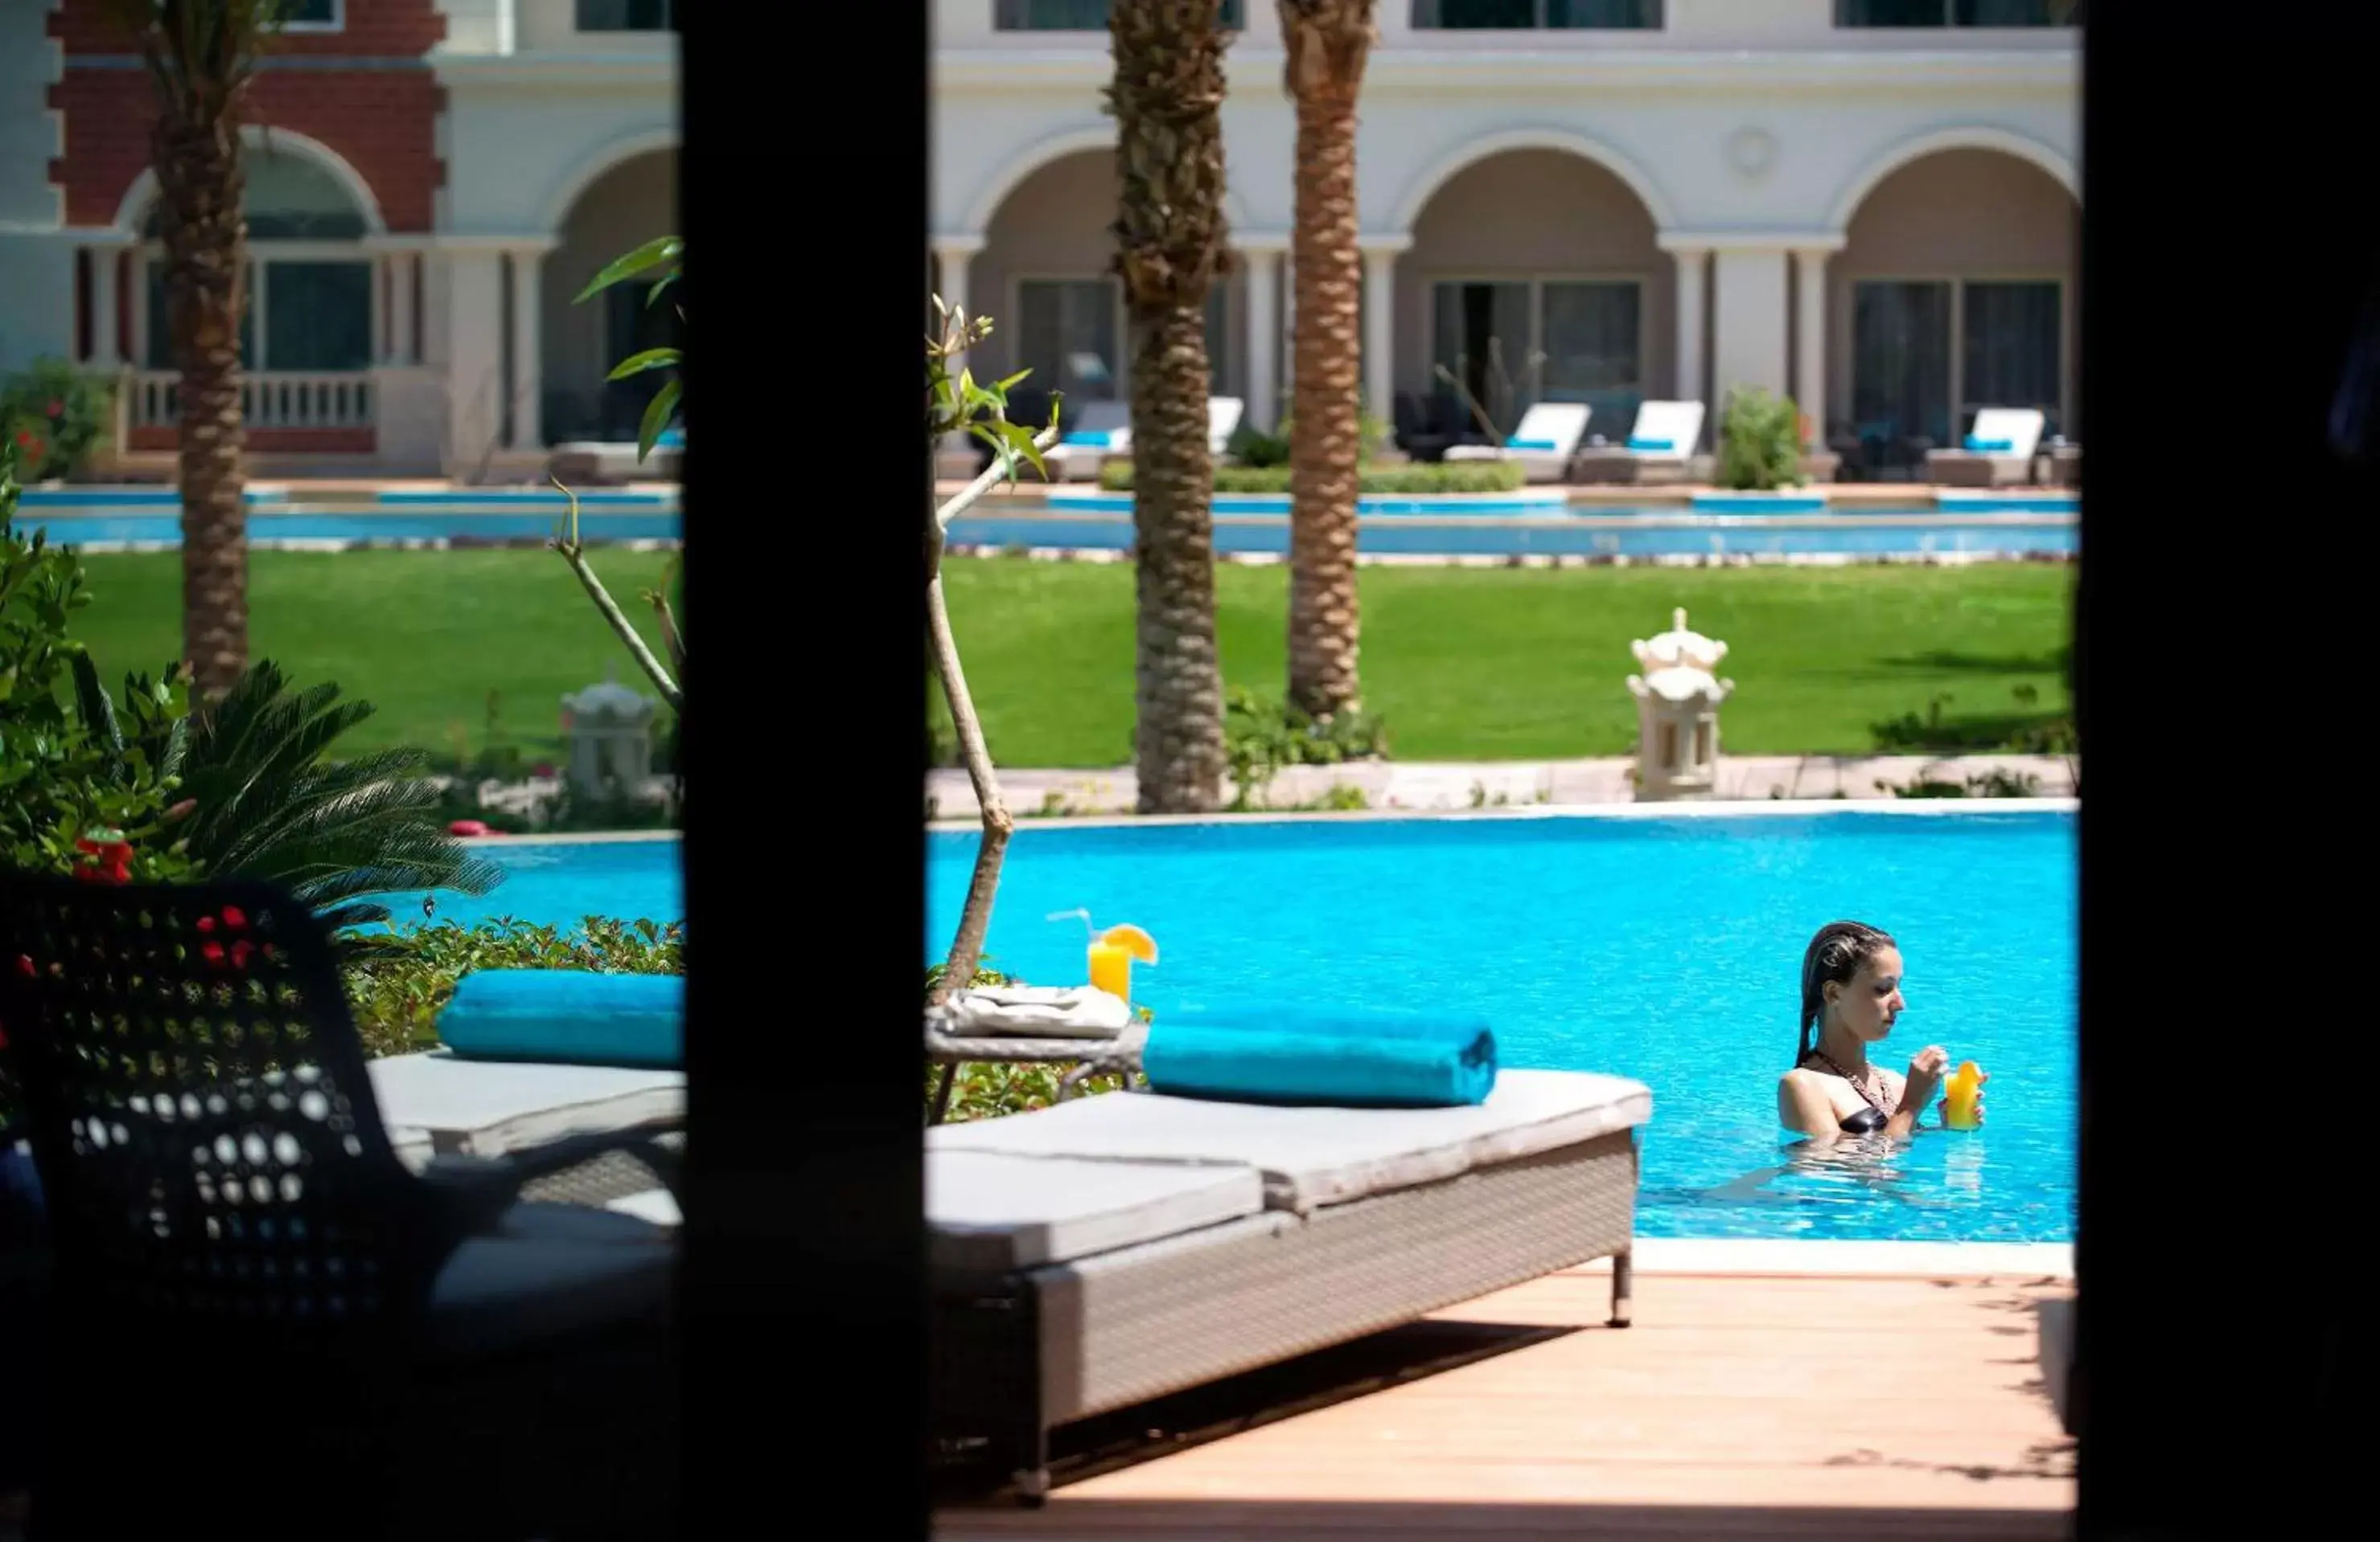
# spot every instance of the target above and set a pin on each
(1748, 194)
(561, 153)
(558, 148)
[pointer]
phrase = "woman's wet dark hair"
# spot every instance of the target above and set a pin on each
(1835, 954)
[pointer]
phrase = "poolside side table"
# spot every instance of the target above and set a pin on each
(1088, 1057)
(437, 1104)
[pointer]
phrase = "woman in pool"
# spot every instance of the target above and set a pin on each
(1850, 995)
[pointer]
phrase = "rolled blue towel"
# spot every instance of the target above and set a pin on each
(1328, 1057)
(1659, 446)
(1989, 446)
(1547, 445)
(569, 1016)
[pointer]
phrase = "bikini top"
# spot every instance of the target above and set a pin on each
(1863, 1120)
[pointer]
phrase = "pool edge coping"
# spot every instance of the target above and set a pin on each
(1812, 1257)
(1701, 808)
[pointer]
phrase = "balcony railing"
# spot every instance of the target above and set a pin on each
(266, 400)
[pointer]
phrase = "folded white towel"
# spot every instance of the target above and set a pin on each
(1037, 1012)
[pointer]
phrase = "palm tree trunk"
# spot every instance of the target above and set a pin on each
(1179, 680)
(200, 183)
(1166, 97)
(1327, 42)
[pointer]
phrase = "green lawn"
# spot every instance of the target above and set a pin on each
(1462, 663)
(1493, 664)
(426, 636)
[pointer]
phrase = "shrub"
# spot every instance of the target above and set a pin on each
(397, 984)
(1490, 476)
(1262, 735)
(54, 415)
(1760, 444)
(93, 786)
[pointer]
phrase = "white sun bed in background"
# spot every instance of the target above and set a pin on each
(1543, 445)
(1998, 452)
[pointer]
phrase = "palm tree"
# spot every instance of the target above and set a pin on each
(1328, 43)
(203, 55)
(1167, 90)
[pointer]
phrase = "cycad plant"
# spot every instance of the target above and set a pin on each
(267, 802)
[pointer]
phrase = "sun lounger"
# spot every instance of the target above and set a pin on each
(1998, 452)
(1547, 436)
(1665, 438)
(1101, 1252)
(1103, 429)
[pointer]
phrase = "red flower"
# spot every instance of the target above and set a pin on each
(111, 860)
(25, 966)
(206, 923)
(239, 952)
(57, 408)
(25, 439)
(213, 952)
(235, 917)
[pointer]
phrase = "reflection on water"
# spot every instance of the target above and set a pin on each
(1930, 1171)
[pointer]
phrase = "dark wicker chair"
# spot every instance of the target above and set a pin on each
(237, 1254)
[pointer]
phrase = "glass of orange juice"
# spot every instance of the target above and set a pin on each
(1111, 954)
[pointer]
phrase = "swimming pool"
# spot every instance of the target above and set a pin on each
(1660, 945)
(1645, 533)
(1663, 947)
(100, 519)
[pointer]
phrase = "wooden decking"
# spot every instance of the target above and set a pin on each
(1737, 1406)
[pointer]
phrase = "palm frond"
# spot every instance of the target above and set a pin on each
(273, 805)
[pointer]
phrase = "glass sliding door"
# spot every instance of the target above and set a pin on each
(1593, 334)
(1901, 363)
(1480, 339)
(1068, 333)
(2013, 344)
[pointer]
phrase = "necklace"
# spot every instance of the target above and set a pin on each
(1870, 1098)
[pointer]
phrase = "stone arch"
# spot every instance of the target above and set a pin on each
(1422, 188)
(600, 163)
(2057, 163)
(132, 212)
(1535, 272)
(1955, 288)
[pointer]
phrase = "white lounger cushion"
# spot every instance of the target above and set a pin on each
(2018, 427)
(991, 1212)
(1320, 1156)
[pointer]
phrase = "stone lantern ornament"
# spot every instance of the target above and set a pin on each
(609, 729)
(1677, 712)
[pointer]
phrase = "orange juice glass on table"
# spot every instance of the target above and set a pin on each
(1112, 953)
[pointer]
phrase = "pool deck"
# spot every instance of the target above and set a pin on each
(1739, 1405)
(1031, 493)
(1423, 785)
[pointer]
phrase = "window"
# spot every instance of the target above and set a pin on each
(1511, 343)
(1588, 336)
(2006, 339)
(627, 16)
(1900, 361)
(1081, 16)
(313, 15)
(309, 289)
(1947, 13)
(1067, 334)
(2013, 346)
(1521, 16)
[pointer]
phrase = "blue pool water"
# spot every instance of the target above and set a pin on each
(1664, 948)
(104, 517)
(1635, 533)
